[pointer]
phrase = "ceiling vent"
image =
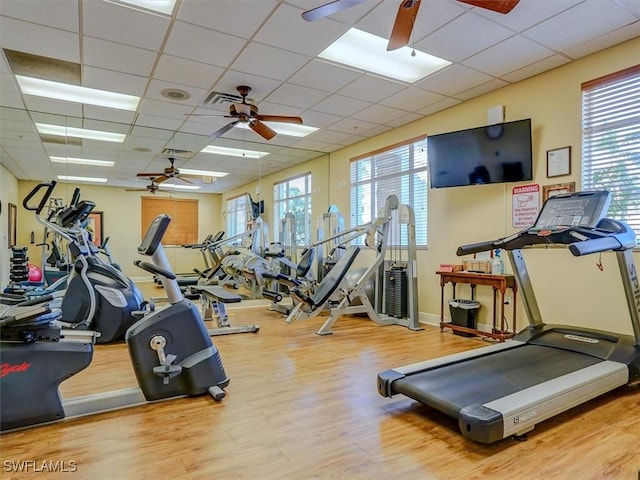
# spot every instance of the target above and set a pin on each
(173, 152)
(217, 98)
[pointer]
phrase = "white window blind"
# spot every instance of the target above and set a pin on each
(237, 208)
(611, 142)
(294, 195)
(397, 170)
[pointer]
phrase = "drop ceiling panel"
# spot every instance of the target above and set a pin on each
(40, 104)
(268, 61)
(538, 67)
(341, 105)
(113, 81)
(496, 60)
(117, 57)
(320, 119)
(595, 17)
(324, 76)
(528, 13)
(411, 99)
(465, 36)
(117, 23)
(604, 41)
(261, 87)
(203, 45)
(44, 41)
(296, 96)
(372, 88)
(180, 70)
(109, 114)
(481, 89)
(453, 79)
(379, 114)
(61, 14)
(155, 88)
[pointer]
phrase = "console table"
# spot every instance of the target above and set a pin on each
(499, 283)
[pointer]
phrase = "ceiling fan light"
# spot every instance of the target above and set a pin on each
(368, 52)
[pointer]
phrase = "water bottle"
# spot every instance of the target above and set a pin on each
(496, 265)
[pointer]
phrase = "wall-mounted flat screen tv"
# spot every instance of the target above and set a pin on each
(491, 154)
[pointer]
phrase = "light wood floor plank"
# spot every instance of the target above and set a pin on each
(304, 407)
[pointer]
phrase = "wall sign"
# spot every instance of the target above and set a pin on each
(525, 205)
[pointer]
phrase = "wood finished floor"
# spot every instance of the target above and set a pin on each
(304, 407)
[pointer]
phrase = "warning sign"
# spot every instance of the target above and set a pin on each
(526, 205)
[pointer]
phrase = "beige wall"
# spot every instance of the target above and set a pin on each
(8, 194)
(121, 218)
(569, 290)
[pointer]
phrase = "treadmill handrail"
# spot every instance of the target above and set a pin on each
(609, 234)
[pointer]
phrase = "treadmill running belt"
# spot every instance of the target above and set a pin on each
(480, 380)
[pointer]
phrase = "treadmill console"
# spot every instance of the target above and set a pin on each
(580, 209)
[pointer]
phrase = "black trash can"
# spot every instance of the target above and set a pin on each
(464, 313)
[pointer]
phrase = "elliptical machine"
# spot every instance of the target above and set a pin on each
(98, 296)
(170, 350)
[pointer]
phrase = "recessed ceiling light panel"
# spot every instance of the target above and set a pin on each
(368, 52)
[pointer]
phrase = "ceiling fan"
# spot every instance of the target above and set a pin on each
(248, 113)
(169, 172)
(406, 16)
(152, 187)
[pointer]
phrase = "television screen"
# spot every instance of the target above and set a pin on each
(491, 154)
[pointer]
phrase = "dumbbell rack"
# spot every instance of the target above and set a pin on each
(19, 265)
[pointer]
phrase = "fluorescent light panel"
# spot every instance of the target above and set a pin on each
(161, 6)
(233, 152)
(204, 173)
(72, 178)
(62, 131)
(77, 94)
(369, 52)
(182, 187)
(287, 129)
(83, 161)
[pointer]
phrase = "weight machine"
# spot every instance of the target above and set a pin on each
(393, 274)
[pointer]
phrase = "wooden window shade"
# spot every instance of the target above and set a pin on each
(183, 228)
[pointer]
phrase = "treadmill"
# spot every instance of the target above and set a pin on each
(505, 389)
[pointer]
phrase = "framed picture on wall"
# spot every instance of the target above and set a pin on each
(95, 227)
(559, 162)
(13, 229)
(557, 189)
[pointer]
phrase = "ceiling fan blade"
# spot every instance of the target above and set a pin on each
(328, 9)
(223, 130)
(500, 6)
(161, 178)
(150, 174)
(262, 129)
(279, 118)
(403, 25)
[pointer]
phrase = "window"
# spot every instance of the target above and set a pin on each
(611, 142)
(401, 170)
(237, 214)
(294, 195)
(183, 228)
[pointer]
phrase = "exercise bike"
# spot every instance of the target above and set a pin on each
(98, 296)
(170, 350)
